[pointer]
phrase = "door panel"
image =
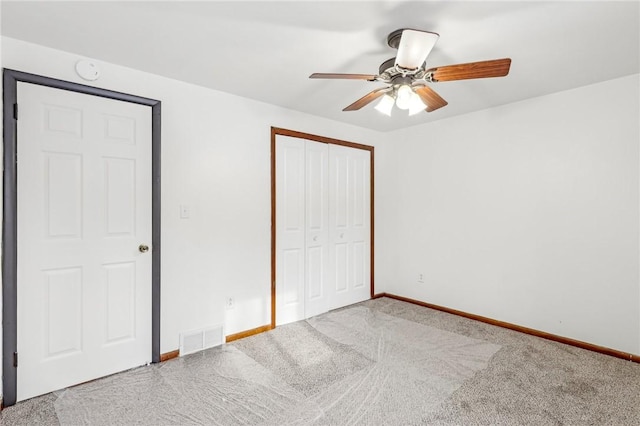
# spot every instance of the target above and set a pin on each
(84, 206)
(120, 294)
(302, 226)
(315, 272)
(290, 238)
(292, 275)
(119, 129)
(339, 188)
(63, 312)
(62, 121)
(317, 226)
(63, 195)
(120, 196)
(359, 264)
(349, 224)
(316, 189)
(361, 229)
(341, 268)
(360, 195)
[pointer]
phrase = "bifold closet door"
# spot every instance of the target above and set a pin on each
(349, 226)
(301, 228)
(323, 227)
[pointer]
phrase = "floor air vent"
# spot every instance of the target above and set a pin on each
(197, 340)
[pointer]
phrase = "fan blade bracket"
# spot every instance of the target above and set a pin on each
(428, 77)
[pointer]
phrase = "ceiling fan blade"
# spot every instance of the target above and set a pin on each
(344, 76)
(414, 47)
(483, 69)
(367, 99)
(431, 99)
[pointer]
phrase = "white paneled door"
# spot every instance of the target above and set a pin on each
(302, 224)
(84, 219)
(316, 228)
(349, 225)
(322, 227)
(290, 222)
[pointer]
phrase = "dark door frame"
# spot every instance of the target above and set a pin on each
(10, 204)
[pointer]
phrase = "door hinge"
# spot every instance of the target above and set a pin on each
(15, 111)
(15, 359)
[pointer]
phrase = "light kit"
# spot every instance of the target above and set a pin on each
(408, 79)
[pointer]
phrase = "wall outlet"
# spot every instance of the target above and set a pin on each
(231, 303)
(420, 278)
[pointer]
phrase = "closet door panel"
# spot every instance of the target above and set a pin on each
(349, 226)
(290, 226)
(317, 226)
(323, 227)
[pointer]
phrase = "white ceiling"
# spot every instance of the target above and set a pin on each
(266, 50)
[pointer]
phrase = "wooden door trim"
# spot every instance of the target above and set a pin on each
(10, 204)
(323, 139)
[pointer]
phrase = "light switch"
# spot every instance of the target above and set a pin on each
(184, 211)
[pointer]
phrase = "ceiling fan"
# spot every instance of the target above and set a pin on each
(406, 75)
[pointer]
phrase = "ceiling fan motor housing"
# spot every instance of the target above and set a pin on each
(400, 80)
(387, 65)
(393, 39)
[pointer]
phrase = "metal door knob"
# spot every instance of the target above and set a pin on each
(143, 248)
(315, 238)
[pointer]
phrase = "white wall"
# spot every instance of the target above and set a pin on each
(215, 159)
(527, 213)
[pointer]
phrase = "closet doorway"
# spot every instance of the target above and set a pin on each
(322, 224)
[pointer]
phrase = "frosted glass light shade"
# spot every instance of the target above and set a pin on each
(414, 48)
(403, 97)
(416, 105)
(385, 105)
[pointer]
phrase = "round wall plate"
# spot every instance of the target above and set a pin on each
(88, 70)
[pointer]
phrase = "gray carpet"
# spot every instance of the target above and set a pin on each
(400, 360)
(378, 362)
